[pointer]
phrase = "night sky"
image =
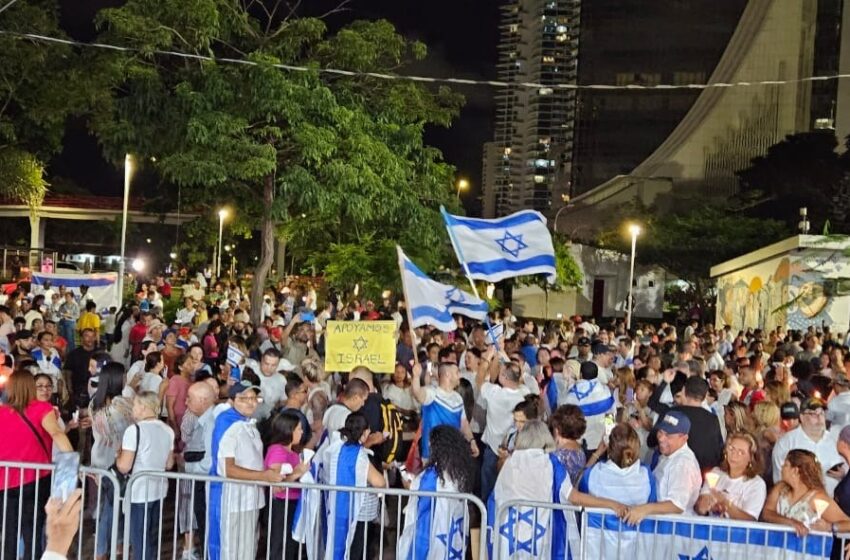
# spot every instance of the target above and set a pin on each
(461, 35)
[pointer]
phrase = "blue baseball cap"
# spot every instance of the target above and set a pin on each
(675, 422)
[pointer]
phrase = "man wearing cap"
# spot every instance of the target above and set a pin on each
(677, 474)
(237, 452)
(603, 357)
(582, 351)
(705, 438)
(838, 414)
(813, 436)
(595, 401)
(790, 414)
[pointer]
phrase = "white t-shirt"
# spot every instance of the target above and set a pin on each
(274, 391)
(157, 442)
(500, 403)
(335, 416)
(402, 398)
(679, 479)
(241, 442)
(746, 494)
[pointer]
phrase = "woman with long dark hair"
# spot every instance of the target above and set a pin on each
(111, 413)
(284, 431)
(452, 470)
(29, 429)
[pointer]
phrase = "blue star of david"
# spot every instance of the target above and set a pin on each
(701, 555)
(448, 539)
(507, 530)
(511, 244)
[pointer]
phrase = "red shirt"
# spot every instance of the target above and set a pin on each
(136, 336)
(20, 445)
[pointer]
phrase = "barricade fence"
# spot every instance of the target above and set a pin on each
(545, 530)
(168, 515)
(188, 516)
(25, 491)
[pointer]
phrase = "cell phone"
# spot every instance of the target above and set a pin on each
(308, 316)
(630, 395)
(66, 475)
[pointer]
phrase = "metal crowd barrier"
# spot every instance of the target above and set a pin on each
(171, 524)
(524, 530)
(23, 515)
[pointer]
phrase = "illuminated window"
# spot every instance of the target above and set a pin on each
(549, 59)
(545, 91)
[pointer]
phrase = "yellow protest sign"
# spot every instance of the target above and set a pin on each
(349, 344)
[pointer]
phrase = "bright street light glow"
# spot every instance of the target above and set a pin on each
(462, 184)
(634, 230)
(172, 255)
(222, 214)
(138, 265)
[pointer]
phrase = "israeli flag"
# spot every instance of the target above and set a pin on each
(695, 538)
(525, 533)
(492, 250)
(434, 528)
(433, 303)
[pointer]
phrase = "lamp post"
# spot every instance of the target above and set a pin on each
(222, 214)
(128, 174)
(634, 230)
(462, 185)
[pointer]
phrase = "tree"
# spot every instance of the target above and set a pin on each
(40, 86)
(687, 245)
(803, 170)
(314, 158)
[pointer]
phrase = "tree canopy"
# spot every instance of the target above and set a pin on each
(329, 163)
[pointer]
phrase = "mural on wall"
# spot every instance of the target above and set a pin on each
(793, 292)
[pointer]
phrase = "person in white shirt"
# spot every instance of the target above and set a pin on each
(838, 414)
(147, 446)
(734, 489)
(603, 357)
(237, 452)
(677, 473)
(186, 314)
(272, 383)
(813, 436)
(500, 401)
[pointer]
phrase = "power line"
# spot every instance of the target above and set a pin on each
(7, 6)
(426, 79)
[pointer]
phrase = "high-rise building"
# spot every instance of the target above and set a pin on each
(528, 162)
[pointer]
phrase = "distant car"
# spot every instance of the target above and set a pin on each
(67, 268)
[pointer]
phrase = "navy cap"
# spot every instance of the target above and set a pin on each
(675, 422)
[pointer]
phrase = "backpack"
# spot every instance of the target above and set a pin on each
(393, 426)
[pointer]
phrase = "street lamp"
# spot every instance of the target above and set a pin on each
(222, 214)
(462, 185)
(634, 231)
(128, 174)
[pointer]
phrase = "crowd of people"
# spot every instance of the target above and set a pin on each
(695, 421)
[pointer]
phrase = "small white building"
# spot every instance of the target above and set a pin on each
(796, 283)
(604, 291)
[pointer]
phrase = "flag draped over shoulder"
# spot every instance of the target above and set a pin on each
(433, 303)
(492, 250)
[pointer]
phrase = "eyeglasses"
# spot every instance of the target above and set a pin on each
(736, 451)
(813, 413)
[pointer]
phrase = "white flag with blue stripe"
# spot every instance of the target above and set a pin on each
(433, 303)
(699, 538)
(492, 250)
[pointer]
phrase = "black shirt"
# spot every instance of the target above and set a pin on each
(77, 363)
(372, 411)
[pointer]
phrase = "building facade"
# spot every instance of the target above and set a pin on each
(529, 161)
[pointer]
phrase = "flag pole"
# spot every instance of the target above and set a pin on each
(462, 260)
(407, 309)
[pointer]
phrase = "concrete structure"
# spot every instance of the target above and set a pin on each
(529, 161)
(85, 207)
(799, 282)
(604, 290)
(727, 127)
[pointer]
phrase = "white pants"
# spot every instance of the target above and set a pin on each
(239, 535)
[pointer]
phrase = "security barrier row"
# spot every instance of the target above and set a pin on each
(173, 515)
